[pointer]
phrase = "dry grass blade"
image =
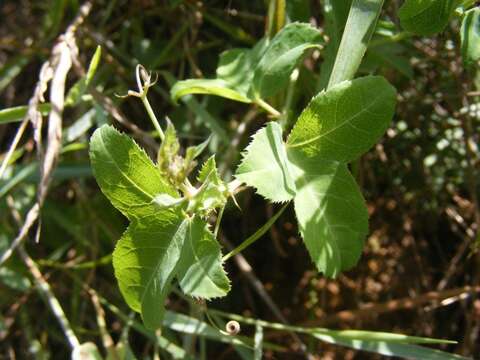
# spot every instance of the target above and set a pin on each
(56, 69)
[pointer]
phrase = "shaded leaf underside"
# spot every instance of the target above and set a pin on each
(336, 127)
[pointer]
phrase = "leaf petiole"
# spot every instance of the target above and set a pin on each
(267, 107)
(257, 235)
(219, 220)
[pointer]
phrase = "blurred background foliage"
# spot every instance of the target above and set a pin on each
(420, 270)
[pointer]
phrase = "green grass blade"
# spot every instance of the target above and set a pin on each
(358, 31)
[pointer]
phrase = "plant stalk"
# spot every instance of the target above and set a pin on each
(152, 116)
(257, 235)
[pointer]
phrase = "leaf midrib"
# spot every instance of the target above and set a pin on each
(151, 197)
(312, 194)
(160, 262)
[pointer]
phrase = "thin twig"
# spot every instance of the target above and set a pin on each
(61, 59)
(45, 290)
(372, 309)
(42, 284)
(107, 340)
(13, 146)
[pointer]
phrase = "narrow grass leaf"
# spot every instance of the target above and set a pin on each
(407, 351)
(18, 113)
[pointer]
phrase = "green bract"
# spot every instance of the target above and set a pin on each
(167, 238)
(426, 17)
(311, 167)
(248, 74)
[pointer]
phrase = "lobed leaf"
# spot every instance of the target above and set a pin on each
(336, 127)
(426, 17)
(125, 173)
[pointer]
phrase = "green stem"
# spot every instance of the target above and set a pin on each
(219, 220)
(393, 39)
(287, 109)
(257, 235)
(267, 107)
(276, 17)
(152, 116)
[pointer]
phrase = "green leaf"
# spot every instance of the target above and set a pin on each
(336, 127)
(235, 68)
(407, 351)
(200, 271)
(145, 261)
(11, 69)
(213, 193)
(359, 27)
(335, 14)
(470, 36)
(14, 279)
(265, 165)
(210, 121)
(217, 87)
(244, 74)
(125, 173)
(234, 76)
(77, 90)
(17, 113)
(331, 213)
(426, 17)
(298, 10)
(282, 55)
(380, 336)
(345, 121)
(388, 55)
(168, 150)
